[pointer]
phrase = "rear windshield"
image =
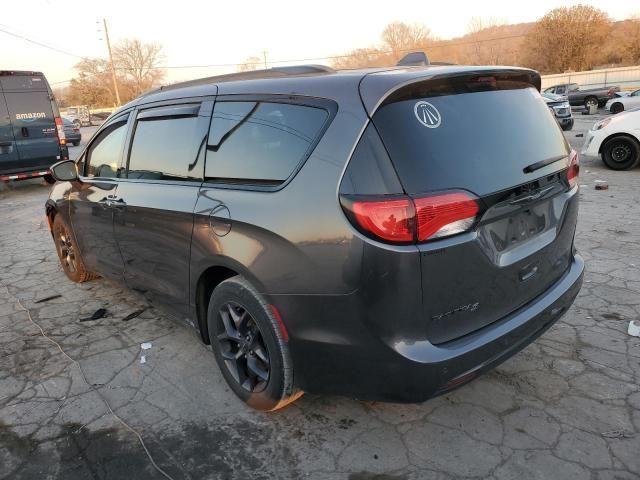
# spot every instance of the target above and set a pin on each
(478, 141)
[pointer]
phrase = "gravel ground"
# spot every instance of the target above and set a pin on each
(567, 407)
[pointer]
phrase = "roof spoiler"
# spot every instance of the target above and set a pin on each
(414, 59)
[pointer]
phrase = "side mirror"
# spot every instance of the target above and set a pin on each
(64, 171)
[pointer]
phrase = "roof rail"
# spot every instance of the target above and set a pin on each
(302, 69)
(249, 75)
(413, 59)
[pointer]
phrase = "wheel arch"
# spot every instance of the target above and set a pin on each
(614, 135)
(51, 210)
(208, 278)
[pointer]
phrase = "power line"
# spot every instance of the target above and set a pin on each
(40, 44)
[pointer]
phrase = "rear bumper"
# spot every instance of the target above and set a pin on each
(351, 361)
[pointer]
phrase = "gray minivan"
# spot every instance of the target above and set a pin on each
(386, 234)
(31, 130)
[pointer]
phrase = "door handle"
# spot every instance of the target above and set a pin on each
(6, 144)
(116, 203)
(25, 132)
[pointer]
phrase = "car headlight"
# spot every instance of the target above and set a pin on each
(601, 124)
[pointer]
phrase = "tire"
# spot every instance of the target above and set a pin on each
(617, 108)
(71, 262)
(49, 179)
(249, 346)
(621, 153)
(590, 101)
(567, 127)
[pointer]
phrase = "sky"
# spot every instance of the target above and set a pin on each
(218, 33)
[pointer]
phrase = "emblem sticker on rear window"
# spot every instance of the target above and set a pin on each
(427, 114)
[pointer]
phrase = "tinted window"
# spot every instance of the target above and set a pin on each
(23, 82)
(167, 148)
(370, 171)
(251, 142)
(482, 143)
(105, 151)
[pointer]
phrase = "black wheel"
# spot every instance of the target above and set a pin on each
(49, 179)
(249, 346)
(590, 102)
(621, 153)
(70, 259)
(617, 107)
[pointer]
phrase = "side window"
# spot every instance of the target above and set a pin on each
(561, 90)
(549, 90)
(260, 142)
(104, 153)
(168, 147)
(636, 93)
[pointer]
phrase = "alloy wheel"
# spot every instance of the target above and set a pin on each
(66, 251)
(243, 348)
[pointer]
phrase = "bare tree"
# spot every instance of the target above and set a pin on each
(567, 39)
(93, 85)
(630, 39)
(399, 38)
(487, 46)
(362, 58)
(249, 64)
(140, 63)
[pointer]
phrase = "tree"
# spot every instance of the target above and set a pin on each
(400, 38)
(140, 63)
(362, 58)
(630, 40)
(567, 39)
(486, 46)
(93, 85)
(249, 64)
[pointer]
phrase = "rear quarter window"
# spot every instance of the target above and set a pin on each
(260, 142)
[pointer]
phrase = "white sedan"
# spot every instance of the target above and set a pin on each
(616, 140)
(620, 104)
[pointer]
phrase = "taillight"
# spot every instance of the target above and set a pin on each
(574, 169)
(444, 215)
(391, 220)
(62, 140)
(410, 220)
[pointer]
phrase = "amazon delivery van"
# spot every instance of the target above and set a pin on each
(31, 131)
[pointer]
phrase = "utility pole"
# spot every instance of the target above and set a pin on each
(113, 69)
(264, 55)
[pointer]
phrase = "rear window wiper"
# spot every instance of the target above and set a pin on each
(543, 163)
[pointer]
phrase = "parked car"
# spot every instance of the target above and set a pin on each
(386, 234)
(71, 132)
(99, 117)
(79, 114)
(588, 97)
(559, 106)
(31, 132)
(620, 104)
(616, 140)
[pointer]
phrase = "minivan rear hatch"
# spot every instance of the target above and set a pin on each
(487, 135)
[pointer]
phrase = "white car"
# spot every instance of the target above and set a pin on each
(616, 140)
(620, 104)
